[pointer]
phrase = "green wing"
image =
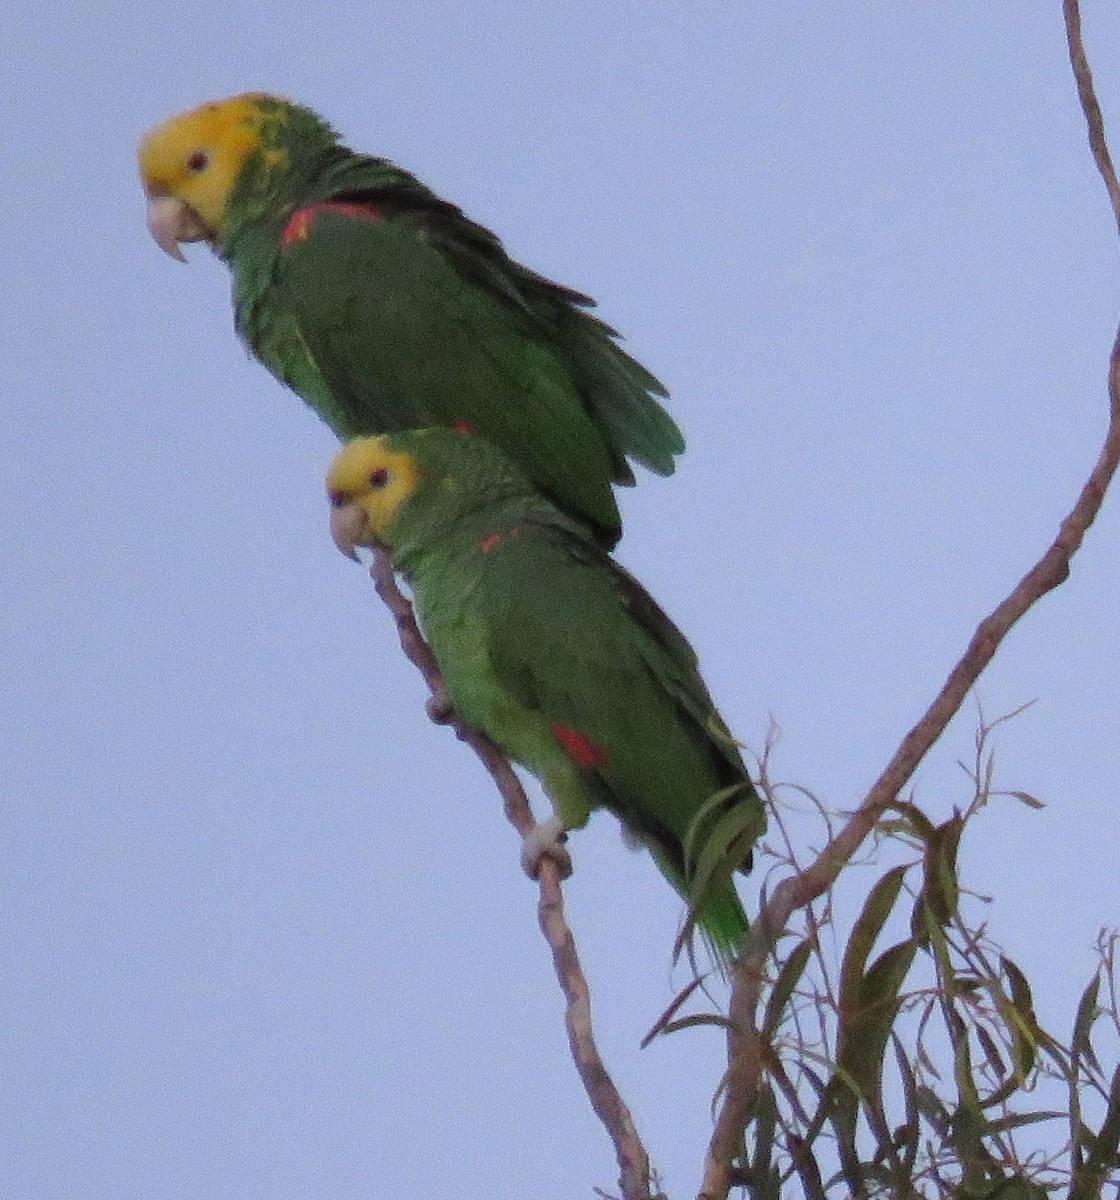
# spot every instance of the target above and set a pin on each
(402, 341)
(414, 316)
(618, 392)
(577, 639)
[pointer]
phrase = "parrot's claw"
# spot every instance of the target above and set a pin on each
(439, 708)
(546, 840)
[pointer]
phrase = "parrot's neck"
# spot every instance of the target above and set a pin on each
(468, 536)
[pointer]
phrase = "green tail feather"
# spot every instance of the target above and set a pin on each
(724, 925)
(719, 914)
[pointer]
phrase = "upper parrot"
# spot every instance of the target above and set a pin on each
(560, 657)
(387, 309)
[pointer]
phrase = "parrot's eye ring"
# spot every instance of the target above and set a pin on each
(379, 478)
(198, 161)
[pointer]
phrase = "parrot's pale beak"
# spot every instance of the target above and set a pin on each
(349, 528)
(170, 222)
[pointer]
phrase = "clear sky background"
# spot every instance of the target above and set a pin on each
(263, 933)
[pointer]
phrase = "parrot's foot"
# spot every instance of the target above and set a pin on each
(439, 708)
(546, 840)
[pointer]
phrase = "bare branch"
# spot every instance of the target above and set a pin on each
(745, 1050)
(1071, 11)
(633, 1162)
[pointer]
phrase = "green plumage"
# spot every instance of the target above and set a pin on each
(566, 662)
(382, 308)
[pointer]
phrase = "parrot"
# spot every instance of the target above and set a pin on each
(386, 308)
(560, 656)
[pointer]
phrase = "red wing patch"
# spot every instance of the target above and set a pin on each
(297, 228)
(462, 427)
(579, 747)
(300, 222)
(488, 541)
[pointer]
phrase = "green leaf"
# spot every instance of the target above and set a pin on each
(667, 1016)
(1029, 800)
(695, 1019)
(933, 1109)
(907, 1136)
(864, 1031)
(940, 887)
(1007, 1187)
(765, 1176)
(920, 825)
(868, 1005)
(1023, 1025)
(1090, 1177)
(991, 1052)
(866, 930)
(1018, 1120)
(784, 985)
(1087, 1010)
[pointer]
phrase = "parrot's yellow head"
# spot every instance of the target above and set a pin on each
(367, 483)
(190, 164)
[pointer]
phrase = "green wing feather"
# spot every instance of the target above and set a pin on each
(588, 645)
(421, 317)
(617, 390)
(359, 287)
(544, 630)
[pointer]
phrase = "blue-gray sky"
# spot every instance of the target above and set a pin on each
(263, 935)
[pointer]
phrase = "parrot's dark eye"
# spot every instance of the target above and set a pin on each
(198, 161)
(378, 478)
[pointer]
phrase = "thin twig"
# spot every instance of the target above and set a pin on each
(633, 1162)
(745, 1049)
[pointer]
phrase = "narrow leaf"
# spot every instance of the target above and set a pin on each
(784, 985)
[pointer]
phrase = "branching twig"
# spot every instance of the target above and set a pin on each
(746, 1053)
(633, 1162)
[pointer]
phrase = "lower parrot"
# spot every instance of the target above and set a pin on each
(560, 657)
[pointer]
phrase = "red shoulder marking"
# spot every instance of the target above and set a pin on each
(300, 222)
(488, 541)
(297, 228)
(462, 427)
(579, 747)
(364, 210)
